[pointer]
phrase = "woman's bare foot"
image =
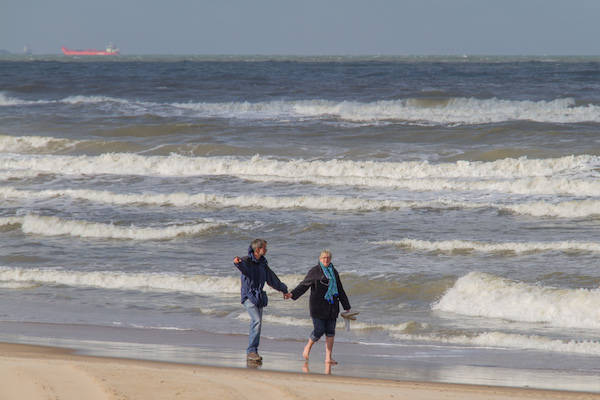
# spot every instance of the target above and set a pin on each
(331, 362)
(305, 367)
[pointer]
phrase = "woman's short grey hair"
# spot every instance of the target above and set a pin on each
(258, 244)
(327, 252)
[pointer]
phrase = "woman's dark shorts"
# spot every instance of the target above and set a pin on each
(322, 326)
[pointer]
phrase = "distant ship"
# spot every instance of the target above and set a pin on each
(110, 51)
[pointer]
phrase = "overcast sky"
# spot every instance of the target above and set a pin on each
(305, 27)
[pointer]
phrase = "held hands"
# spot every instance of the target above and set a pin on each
(287, 296)
(237, 260)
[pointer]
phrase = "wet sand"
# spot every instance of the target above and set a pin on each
(38, 372)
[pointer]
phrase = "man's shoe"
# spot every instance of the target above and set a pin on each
(254, 357)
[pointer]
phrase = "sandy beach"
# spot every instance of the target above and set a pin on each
(38, 372)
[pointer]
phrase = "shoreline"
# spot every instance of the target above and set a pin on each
(35, 372)
(419, 364)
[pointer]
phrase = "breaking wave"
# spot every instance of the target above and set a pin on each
(54, 226)
(29, 144)
(147, 281)
(463, 246)
(567, 209)
(354, 325)
(511, 341)
(485, 295)
(449, 111)
(356, 172)
(218, 201)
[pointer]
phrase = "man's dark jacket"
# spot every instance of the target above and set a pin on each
(255, 273)
(318, 283)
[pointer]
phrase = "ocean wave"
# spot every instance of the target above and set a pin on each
(218, 201)
(17, 285)
(465, 246)
(485, 295)
(354, 325)
(93, 99)
(10, 221)
(18, 174)
(356, 172)
(565, 209)
(30, 144)
(54, 226)
(511, 341)
(418, 111)
(570, 175)
(145, 281)
(199, 284)
(8, 101)
(450, 111)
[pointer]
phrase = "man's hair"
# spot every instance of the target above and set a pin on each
(325, 251)
(258, 244)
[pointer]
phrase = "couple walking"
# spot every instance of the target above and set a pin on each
(326, 292)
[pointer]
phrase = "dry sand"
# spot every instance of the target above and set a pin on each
(35, 372)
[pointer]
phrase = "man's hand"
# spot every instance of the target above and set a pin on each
(287, 296)
(237, 260)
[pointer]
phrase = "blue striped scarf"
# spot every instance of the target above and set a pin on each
(332, 290)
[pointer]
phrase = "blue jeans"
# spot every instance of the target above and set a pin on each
(255, 325)
(322, 326)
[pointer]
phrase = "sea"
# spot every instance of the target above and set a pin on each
(460, 197)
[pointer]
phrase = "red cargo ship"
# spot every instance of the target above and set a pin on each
(110, 51)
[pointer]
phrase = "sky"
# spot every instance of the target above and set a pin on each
(305, 27)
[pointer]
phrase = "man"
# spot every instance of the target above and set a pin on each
(255, 273)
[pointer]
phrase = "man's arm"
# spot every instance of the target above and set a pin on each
(274, 282)
(241, 265)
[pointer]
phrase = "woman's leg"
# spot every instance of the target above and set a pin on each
(318, 331)
(307, 348)
(329, 339)
(329, 349)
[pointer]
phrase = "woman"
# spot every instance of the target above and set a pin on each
(326, 293)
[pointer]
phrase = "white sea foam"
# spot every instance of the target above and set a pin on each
(217, 201)
(454, 111)
(147, 281)
(199, 284)
(54, 226)
(565, 209)
(18, 285)
(512, 341)
(485, 295)
(356, 172)
(93, 99)
(18, 174)
(513, 247)
(568, 209)
(27, 144)
(12, 101)
(6, 221)
(355, 325)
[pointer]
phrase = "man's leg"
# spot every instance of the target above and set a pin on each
(255, 326)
